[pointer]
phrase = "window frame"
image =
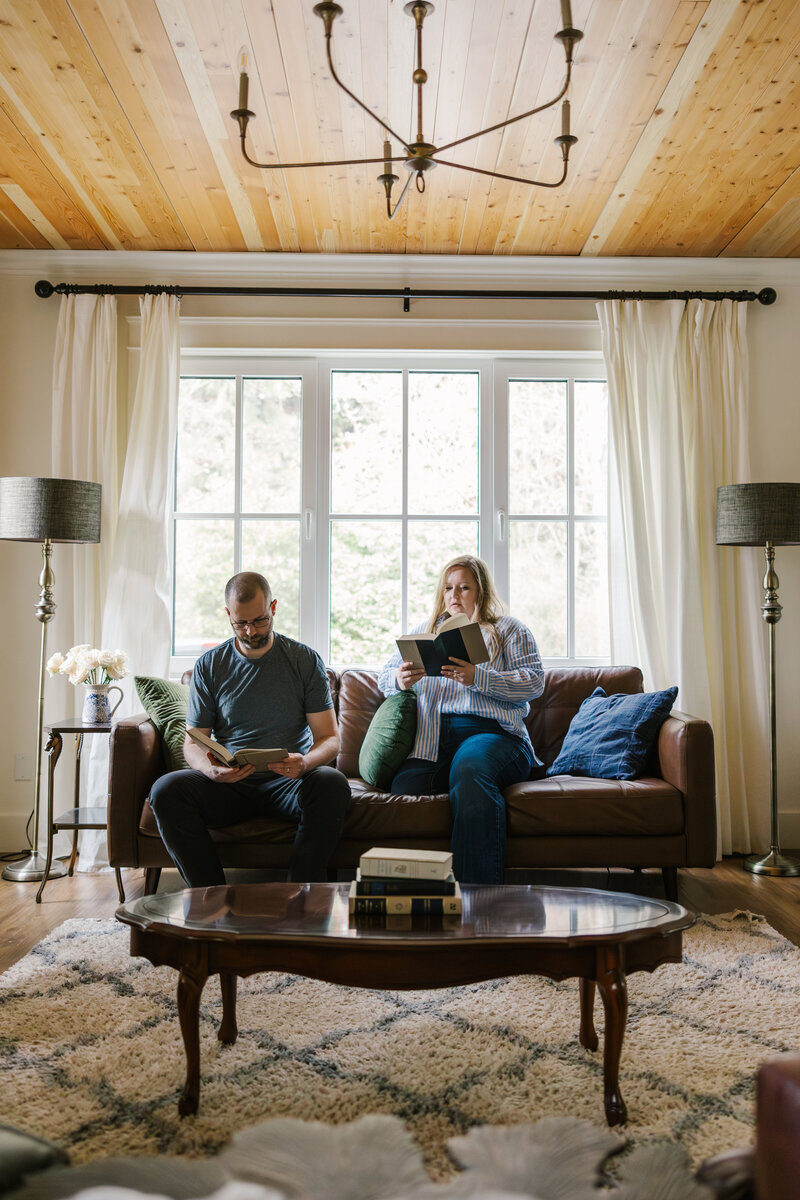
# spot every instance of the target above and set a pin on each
(314, 368)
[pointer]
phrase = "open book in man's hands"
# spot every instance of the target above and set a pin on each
(457, 637)
(240, 758)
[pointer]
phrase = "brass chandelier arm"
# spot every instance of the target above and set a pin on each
(510, 178)
(361, 103)
(342, 162)
(502, 124)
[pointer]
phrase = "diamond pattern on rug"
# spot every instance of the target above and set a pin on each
(91, 1054)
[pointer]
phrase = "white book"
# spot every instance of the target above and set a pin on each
(395, 862)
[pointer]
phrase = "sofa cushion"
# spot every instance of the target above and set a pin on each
(571, 807)
(388, 740)
(610, 737)
(565, 689)
(165, 704)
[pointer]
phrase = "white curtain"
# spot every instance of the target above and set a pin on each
(684, 609)
(135, 586)
(83, 446)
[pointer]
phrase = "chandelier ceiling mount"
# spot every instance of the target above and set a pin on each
(420, 155)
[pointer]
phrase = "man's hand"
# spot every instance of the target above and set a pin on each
(291, 767)
(220, 774)
(407, 675)
(461, 670)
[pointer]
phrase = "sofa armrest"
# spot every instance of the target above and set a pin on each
(686, 760)
(135, 762)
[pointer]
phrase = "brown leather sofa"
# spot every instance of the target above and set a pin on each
(666, 819)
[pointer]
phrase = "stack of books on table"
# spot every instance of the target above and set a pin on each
(394, 881)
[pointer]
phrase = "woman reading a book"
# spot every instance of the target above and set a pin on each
(471, 738)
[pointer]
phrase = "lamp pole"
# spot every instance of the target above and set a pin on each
(773, 863)
(33, 867)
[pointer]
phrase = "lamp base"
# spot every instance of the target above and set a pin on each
(773, 863)
(32, 869)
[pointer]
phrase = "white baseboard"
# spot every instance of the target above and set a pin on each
(789, 826)
(12, 832)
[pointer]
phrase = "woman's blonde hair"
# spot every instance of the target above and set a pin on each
(489, 606)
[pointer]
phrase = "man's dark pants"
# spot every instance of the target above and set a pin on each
(187, 804)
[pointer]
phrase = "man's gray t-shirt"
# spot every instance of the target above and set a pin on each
(259, 701)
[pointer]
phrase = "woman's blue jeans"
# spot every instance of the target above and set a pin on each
(477, 759)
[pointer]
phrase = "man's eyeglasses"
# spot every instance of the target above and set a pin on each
(258, 624)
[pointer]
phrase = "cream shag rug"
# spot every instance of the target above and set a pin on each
(91, 1054)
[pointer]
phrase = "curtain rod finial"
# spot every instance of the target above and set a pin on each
(44, 288)
(767, 296)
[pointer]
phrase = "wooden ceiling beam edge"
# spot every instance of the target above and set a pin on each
(184, 46)
(691, 66)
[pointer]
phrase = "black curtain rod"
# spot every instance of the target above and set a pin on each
(45, 289)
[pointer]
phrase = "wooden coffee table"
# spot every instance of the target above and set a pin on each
(598, 937)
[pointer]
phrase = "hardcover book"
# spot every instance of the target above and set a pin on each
(393, 904)
(260, 758)
(385, 862)
(457, 637)
(371, 886)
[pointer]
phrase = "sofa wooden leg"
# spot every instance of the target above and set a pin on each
(151, 878)
(670, 877)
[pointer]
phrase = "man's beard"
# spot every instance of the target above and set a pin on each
(255, 643)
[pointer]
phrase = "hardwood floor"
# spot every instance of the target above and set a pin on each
(727, 887)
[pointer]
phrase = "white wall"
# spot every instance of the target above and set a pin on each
(27, 335)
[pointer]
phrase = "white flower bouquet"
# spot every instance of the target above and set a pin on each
(96, 668)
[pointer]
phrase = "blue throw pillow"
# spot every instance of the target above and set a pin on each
(610, 737)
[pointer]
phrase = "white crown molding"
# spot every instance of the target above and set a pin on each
(398, 271)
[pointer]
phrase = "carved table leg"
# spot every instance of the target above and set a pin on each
(228, 1030)
(614, 993)
(191, 982)
(588, 1036)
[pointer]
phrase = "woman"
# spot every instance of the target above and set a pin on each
(471, 738)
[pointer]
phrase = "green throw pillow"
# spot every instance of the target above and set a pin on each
(388, 740)
(165, 704)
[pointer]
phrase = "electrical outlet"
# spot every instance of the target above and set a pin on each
(23, 766)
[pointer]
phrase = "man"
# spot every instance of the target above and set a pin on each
(258, 688)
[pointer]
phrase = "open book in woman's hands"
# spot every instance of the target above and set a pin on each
(239, 758)
(457, 637)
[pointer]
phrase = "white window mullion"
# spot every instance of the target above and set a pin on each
(571, 532)
(404, 511)
(237, 482)
(494, 470)
(310, 502)
(320, 599)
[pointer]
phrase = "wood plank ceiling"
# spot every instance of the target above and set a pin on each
(115, 130)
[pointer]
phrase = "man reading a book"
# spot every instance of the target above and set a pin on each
(257, 689)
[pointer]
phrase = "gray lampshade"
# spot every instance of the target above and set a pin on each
(752, 514)
(63, 510)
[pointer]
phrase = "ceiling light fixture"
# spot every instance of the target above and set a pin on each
(420, 155)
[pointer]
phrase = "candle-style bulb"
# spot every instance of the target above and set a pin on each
(387, 157)
(565, 119)
(566, 14)
(244, 79)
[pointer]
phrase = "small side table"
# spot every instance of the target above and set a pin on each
(74, 818)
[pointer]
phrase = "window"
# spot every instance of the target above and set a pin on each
(349, 482)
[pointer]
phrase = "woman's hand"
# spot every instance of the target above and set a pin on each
(462, 671)
(407, 675)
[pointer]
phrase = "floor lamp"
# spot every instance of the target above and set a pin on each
(768, 515)
(46, 511)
